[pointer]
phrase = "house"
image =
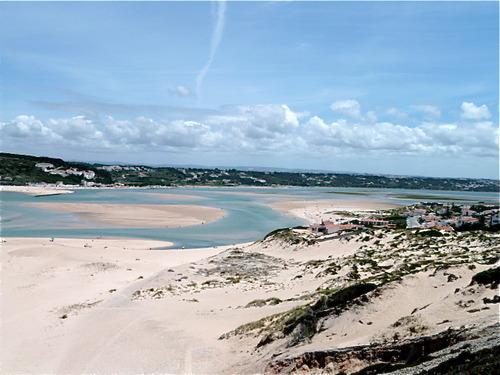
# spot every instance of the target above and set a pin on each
(329, 227)
(44, 166)
(375, 222)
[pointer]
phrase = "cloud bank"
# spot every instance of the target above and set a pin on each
(267, 129)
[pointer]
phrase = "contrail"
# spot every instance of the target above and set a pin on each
(214, 44)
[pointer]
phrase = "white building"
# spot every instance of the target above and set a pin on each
(44, 166)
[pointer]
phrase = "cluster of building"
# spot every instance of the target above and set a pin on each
(437, 216)
(329, 227)
(49, 168)
(450, 216)
(112, 168)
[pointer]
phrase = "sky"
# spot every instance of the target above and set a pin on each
(405, 88)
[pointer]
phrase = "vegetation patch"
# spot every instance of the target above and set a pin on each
(289, 236)
(264, 302)
(301, 323)
(487, 277)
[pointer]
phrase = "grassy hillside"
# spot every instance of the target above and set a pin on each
(20, 169)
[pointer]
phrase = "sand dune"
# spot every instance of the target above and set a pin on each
(111, 306)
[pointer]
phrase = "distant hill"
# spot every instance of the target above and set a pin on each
(23, 169)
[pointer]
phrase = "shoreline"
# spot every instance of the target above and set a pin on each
(37, 190)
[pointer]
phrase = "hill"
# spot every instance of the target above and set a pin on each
(26, 169)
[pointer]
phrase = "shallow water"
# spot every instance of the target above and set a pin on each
(248, 217)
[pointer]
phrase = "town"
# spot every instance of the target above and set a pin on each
(425, 215)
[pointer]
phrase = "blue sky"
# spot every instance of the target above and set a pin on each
(383, 87)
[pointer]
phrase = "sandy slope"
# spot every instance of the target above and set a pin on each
(107, 330)
(43, 280)
(170, 320)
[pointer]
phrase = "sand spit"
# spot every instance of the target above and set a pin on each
(137, 215)
(35, 190)
(313, 211)
(275, 306)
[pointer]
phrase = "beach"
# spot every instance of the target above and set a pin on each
(313, 211)
(38, 190)
(44, 280)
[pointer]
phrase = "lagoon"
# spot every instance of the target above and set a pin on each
(248, 215)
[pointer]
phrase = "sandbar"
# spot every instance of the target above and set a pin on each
(137, 215)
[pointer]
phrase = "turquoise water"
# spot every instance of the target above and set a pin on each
(248, 216)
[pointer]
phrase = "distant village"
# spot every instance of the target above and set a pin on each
(63, 172)
(425, 215)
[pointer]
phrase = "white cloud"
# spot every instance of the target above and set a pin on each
(267, 128)
(429, 111)
(24, 128)
(181, 91)
(430, 138)
(348, 107)
(470, 111)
